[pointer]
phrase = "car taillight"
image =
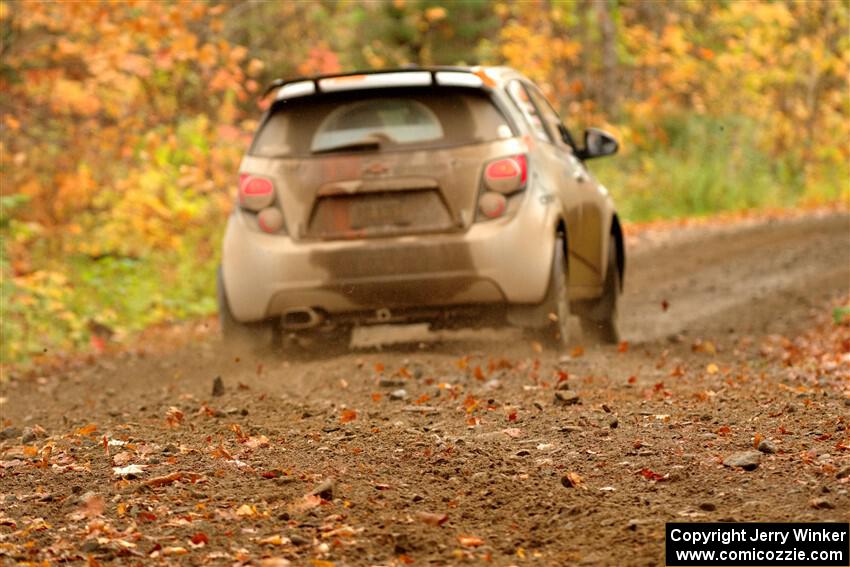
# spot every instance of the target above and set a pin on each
(502, 179)
(506, 175)
(255, 192)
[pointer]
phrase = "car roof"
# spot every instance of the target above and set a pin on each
(478, 76)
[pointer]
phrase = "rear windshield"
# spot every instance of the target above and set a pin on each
(384, 119)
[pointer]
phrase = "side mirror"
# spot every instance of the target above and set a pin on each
(598, 143)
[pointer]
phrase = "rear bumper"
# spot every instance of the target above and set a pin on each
(505, 261)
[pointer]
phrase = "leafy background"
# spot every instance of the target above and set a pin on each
(123, 124)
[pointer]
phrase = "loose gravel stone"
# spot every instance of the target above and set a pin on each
(566, 398)
(747, 460)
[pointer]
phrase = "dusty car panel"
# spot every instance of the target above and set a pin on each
(387, 192)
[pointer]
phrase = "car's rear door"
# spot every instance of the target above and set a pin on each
(575, 187)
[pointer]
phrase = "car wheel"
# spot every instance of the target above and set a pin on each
(238, 336)
(555, 332)
(600, 322)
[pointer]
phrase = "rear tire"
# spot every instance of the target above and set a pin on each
(555, 332)
(243, 337)
(600, 322)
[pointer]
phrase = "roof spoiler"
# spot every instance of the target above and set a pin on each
(316, 79)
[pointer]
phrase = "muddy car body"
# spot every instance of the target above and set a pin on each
(436, 195)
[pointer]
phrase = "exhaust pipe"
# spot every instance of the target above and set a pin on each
(301, 318)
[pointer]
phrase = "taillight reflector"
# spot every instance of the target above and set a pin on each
(270, 219)
(492, 205)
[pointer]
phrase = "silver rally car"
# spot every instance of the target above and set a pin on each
(446, 195)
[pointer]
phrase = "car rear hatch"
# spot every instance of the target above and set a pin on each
(379, 162)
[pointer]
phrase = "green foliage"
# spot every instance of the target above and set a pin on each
(729, 172)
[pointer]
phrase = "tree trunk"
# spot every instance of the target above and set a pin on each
(609, 90)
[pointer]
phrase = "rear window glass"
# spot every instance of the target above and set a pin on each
(396, 119)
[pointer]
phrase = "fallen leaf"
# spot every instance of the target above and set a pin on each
(174, 550)
(275, 539)
(121, 459)
(757, 438)
(665, 305)
(650, 475)
(572, 480)
(200, 538)
(623, 346)
(470, 541)
(347, 416)
(164, 480)
(577, 352)
(129, 470)
(257, 442)
(307, 502)
(246, 511)
(173, 417)
(712, 368)
(707, 347)
(87, 429)
(433, 519)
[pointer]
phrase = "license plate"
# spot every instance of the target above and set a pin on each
(378, 212)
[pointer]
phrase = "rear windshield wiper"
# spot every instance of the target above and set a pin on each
(359, 146)
(370, 142)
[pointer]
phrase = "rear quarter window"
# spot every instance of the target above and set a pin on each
(400, 118)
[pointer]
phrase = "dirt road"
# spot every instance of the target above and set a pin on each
(463, 450)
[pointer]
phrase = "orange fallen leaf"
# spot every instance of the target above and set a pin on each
(87, 429)
(257, 442)
(200, 538)
(623, 346)
(757, 438)
(347, 415)
(173, 417)
(572, 480)
(164, 480)
(577, 352)
(470, 541)
(246, 511)
(478, 373)
(376, 396)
